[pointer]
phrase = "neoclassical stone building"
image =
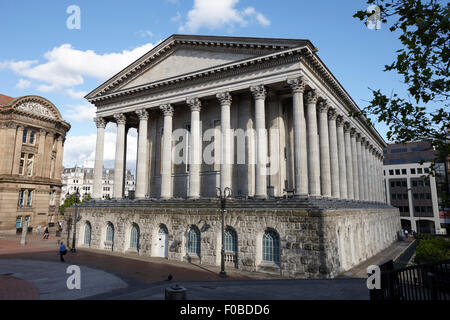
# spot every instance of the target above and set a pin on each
(263, 117)
(32, 134)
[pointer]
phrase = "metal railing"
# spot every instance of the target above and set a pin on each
(429, 281)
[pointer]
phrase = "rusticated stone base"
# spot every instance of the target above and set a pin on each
(316, 239)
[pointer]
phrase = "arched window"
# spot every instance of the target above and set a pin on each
(194, 241)
(134, 237)
(271, 246)
(230, 240)
(87, 234)
(110, 232)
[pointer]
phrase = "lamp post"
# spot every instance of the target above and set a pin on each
(223, 195)
(74, 221)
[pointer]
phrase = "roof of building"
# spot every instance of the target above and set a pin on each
(4, 100)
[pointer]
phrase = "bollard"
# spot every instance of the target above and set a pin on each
(175, 293)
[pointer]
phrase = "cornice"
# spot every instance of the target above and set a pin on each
(213, 73)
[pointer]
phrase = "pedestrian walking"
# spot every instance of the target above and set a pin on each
(39, 230)
(62, 251)
(46, 233)
(406, 233)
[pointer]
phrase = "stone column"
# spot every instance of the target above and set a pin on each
(40, 156)
(370, 172)
(348, 161)
(18, 150)
(259, 94)
(341, 156)
(48, 154)
(377, 176)
(334, 158)
(119, 161)
(354, 164)
(59, 158)
(196, 149)
(365, 168)
(300, 148)
(360, 168)
(313, 144)
(166, 161)
(325, 171)
(225, 144)
(142, 155)
(98, 164)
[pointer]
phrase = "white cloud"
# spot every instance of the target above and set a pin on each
(176, 18)
(77, 149)
(145, 33)
(23, 84)
(66, 67)
(80, 113)
(216, 14)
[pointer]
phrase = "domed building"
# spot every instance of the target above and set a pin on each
(32, 134)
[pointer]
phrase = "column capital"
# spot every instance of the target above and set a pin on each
(224, 97)
(358, 136)
(100, 122)
(297, 85)
(259, 92)
(340, 121)
(142, 114)
(323, 106)
(167, 109)
(20, 127)
(194, 103)
(332, 114)
(311, 96)
(120, 118)
(347, 126)
(42, 132)
(60, 138)
(352, 132)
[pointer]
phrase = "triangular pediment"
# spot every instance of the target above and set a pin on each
(183, 61)
(180, 54)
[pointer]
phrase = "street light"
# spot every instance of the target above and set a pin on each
(223, 195)
(75, 220)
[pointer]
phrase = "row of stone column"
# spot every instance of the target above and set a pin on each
(44, 164)
(331, 159)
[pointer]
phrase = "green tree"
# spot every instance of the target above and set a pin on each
(423, 62)
(70, 201)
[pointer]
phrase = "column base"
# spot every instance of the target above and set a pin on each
(301, 196)
(260, 197)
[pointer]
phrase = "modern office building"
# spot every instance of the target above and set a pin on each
(411, 188)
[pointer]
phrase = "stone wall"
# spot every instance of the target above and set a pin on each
(313, 242)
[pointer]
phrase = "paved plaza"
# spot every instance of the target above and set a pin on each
(35, 272)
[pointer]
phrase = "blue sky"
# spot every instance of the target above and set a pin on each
(40, 55)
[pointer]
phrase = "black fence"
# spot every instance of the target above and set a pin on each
(429, 281)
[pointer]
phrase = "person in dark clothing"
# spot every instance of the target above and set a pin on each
(62, 251)
(46, 233)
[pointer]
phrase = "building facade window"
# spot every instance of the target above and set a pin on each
(271, 246)
(21, 202)
(194, 241)
(22, 164)
(24, 137)
(110, 232)
(30, 162)
(32, 137)
(30, 198)
(87, 234)
(134, 237)
(230, 240)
